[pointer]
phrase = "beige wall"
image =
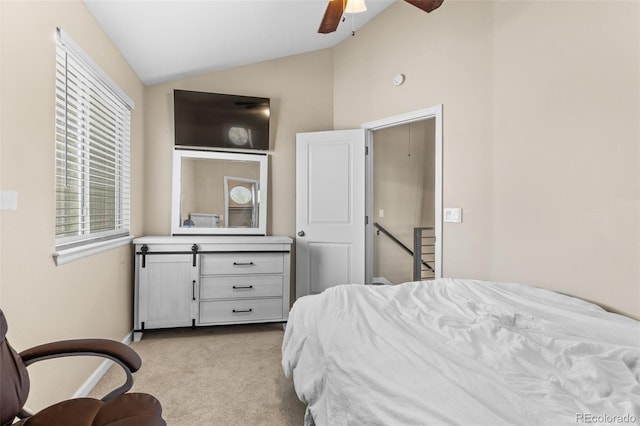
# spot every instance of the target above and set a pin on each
(446, 57)
(566, 192)
(300, 88)
(89, 297)
(541, 135)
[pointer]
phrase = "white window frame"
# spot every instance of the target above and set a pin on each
(89, 79)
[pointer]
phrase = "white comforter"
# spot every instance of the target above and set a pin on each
(460, 352)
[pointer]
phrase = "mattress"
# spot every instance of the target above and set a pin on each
(460, 352)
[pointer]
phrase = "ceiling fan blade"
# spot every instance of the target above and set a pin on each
(332, 16)
(426, 5)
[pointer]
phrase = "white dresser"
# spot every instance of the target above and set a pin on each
(210, 280)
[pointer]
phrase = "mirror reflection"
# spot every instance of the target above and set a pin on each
(219, 193)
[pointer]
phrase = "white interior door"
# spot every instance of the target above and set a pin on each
(330, 210)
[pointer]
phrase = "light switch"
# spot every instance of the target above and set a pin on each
(381, 213)
(8, 200)
(453, 214)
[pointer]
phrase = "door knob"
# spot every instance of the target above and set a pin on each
(301, 234)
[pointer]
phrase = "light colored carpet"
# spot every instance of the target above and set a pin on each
(223, 375)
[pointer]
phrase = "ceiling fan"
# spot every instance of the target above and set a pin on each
(336, 8)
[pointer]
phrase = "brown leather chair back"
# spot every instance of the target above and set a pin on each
(14, 386)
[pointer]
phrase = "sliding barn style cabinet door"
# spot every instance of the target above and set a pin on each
(167, 290)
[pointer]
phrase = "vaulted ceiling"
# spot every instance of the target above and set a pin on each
(165, 40)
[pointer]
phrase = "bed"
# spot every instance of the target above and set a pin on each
(460, 352)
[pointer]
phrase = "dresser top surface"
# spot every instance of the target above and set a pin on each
(207, 239)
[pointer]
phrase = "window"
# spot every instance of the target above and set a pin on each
(93, 118)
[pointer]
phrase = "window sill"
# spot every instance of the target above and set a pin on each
(72, 254)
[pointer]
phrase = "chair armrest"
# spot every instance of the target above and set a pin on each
(99, 347)
(118, 352)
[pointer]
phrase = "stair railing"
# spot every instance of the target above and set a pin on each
(423, 250)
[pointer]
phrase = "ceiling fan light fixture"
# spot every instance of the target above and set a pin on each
(355, 6)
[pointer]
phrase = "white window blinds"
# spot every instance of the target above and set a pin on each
(93, 119)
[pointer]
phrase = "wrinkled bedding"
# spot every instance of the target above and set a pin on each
(460, 352)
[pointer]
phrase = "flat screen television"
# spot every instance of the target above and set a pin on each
(217, 120)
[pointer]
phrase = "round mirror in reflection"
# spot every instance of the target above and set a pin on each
(240, 194)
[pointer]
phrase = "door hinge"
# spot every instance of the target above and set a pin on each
(366, 150)
(366, 220)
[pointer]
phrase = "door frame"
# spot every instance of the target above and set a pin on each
(434, 112)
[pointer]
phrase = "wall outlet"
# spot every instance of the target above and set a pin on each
(8, 200)
(453, 214)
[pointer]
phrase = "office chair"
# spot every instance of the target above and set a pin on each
(117, 408)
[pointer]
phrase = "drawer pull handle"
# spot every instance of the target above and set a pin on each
(237, 311)
(239, 287)
(242, 263)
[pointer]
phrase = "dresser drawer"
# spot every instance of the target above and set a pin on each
(242, 310)
(242, 286)
(242, 263)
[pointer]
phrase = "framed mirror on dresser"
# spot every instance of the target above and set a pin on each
(219, 193)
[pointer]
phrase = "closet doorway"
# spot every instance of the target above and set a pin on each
(404, 198)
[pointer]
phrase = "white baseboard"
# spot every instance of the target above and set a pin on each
(102, 369)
